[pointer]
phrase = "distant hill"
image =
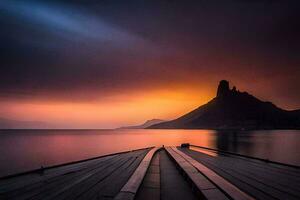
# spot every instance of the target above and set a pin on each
(15, 124)
(144, 125)
(232, 109)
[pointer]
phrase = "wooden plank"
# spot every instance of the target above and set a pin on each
(64, 164)
(21, 179)
(188, 168)
(150, 188)
(259, 194)
(57, 180)
(282, 182)
(257, 181)
(224, 185)
(87, 186)
(49, 188)
(136, 179)
(204, 185)
(258, 168)
(173, 184)
(200, 181)
(292, 168)
(109, 188)
(74, 190)
(29, 180)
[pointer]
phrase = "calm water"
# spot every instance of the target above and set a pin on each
(24, 150)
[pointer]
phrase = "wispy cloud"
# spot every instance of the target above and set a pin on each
(70, 24)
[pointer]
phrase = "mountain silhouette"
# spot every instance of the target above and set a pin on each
(232, 109)
(144, 125)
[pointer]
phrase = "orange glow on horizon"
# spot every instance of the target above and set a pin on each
(115, 111)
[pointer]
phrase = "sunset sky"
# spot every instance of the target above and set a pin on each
(105, 64)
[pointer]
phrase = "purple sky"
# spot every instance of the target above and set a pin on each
(64, 52)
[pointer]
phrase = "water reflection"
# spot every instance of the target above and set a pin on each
(25, 150)
(235, 141)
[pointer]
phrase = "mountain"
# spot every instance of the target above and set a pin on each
(144, 125)
(232, 109)
(15, 124)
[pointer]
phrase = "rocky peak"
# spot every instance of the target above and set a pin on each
(223, 88)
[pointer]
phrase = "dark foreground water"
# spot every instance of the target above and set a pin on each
(23, 150)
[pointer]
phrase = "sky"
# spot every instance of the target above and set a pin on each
(104, 64)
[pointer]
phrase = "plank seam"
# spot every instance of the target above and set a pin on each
(215, 177)
(137, 177)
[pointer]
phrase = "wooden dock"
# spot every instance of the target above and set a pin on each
(260, 178)
(159, 173)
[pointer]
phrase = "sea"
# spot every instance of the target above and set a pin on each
(24, 150)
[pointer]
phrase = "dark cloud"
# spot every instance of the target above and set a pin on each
(58, 47)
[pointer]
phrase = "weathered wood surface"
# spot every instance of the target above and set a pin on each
(164, 181)
(151, 174)
(100, 178)
(261, 179)
(224, 185)
(130, 189)
(150, 187)
(205, 186)
(173, 184)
